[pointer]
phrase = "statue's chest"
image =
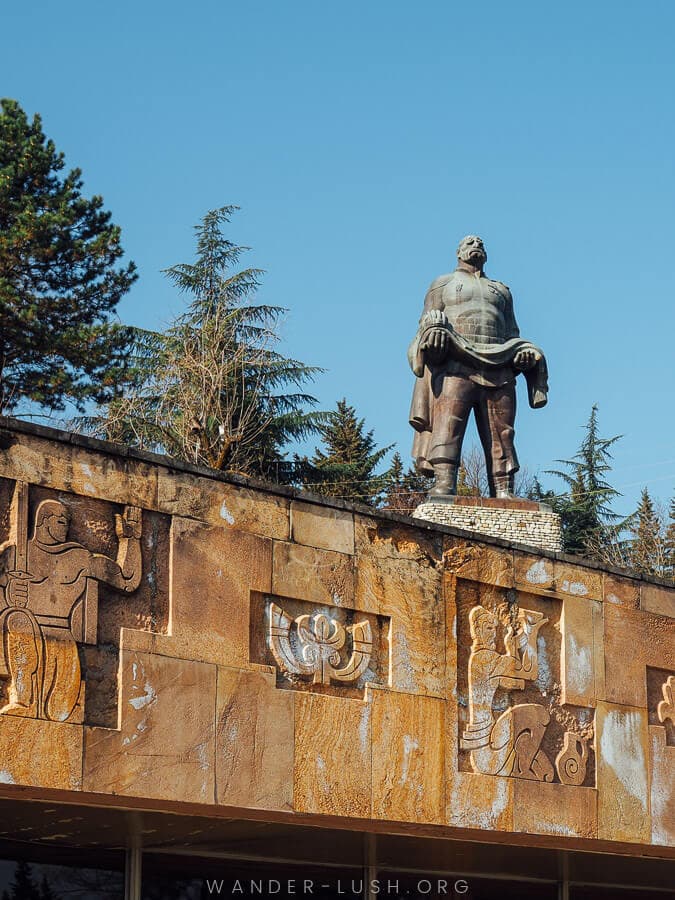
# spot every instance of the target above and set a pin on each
(470, 296)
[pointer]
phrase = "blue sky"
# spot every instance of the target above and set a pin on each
(362, 141)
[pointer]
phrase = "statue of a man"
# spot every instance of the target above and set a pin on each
(466, 355)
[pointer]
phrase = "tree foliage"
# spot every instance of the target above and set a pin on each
(212, 388)
(588, 519)
(405, 488)
(59, 276)
(346, 465)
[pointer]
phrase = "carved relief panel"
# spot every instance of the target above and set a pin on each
(326, 649)
(661, 701)
(511, 720)
(68, 566)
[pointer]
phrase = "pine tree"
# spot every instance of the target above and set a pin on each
(647, 547)
(588, 520)
(346, 467)
(59, 279)
(46, 890)
(23, 887)
(669, 542)
(393, 491)
(212, 388)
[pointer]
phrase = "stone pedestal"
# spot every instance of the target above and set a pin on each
(522, 521)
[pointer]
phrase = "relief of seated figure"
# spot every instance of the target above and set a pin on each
(510, 744)
(44, 584)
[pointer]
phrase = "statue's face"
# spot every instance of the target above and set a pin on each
(54, 525)
(472, 250)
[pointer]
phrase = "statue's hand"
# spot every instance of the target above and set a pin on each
(524, 360)
(436, 340)
(128, 525)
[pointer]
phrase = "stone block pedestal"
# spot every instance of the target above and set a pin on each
(522, 521)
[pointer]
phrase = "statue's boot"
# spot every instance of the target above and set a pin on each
(446, 480)
(504, 487)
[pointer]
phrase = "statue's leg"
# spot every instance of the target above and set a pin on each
(451, 414)
(495, 418)
(63, 678)
(21, 647)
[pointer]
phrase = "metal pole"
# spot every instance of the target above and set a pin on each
(370, 868)
(132, 874)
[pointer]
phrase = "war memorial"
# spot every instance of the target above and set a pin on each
(212, 686)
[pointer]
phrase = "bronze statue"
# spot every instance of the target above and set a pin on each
(466, 355)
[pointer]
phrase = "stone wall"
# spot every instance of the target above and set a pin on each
(184, 641)
(519, 521)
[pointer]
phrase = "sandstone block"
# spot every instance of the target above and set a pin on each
(254, 741)
(377, 537)
(621, 591)
(408, 739)
(40, 753)
(559, 809)
(165, 745)
(534, 572)
(333, 773)
(577, 580)
(321, 526)
(226, 505)
(662, 787)
(307, 573)
(579, 655)
(622, 764)
(633, 641)
(658, 600)
(412, 595)
(478, 562)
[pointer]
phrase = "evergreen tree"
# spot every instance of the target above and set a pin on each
(669, 542)
(346, 467)
(23, 887)
(212, 388)
(59, 279)
(647, 547)
(393, 491)
(46, 890)
(588, 521)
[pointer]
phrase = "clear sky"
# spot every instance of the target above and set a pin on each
(362, 141)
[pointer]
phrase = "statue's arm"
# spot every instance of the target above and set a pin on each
(125, 572)
(510, 324)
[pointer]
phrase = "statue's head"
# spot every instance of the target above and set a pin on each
(472, 250)
(483, 626)
(52, 521)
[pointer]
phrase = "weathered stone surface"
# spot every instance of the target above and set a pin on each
(578, 653)
(623, 759)
(662, 787)
(65, 467)
(534, 572)
(306, 573)
(621, 591)
(576, 813)
(408, 743)
(323, 527)
(40, 753)
(480, 801)
(165, 747)
(382, 538)
(226, 505)
(577, 580)
(213, 572)
(333, 773)
(633, 641)
(658, 600)
(412, 595)
(254, 741)
(478, 562)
